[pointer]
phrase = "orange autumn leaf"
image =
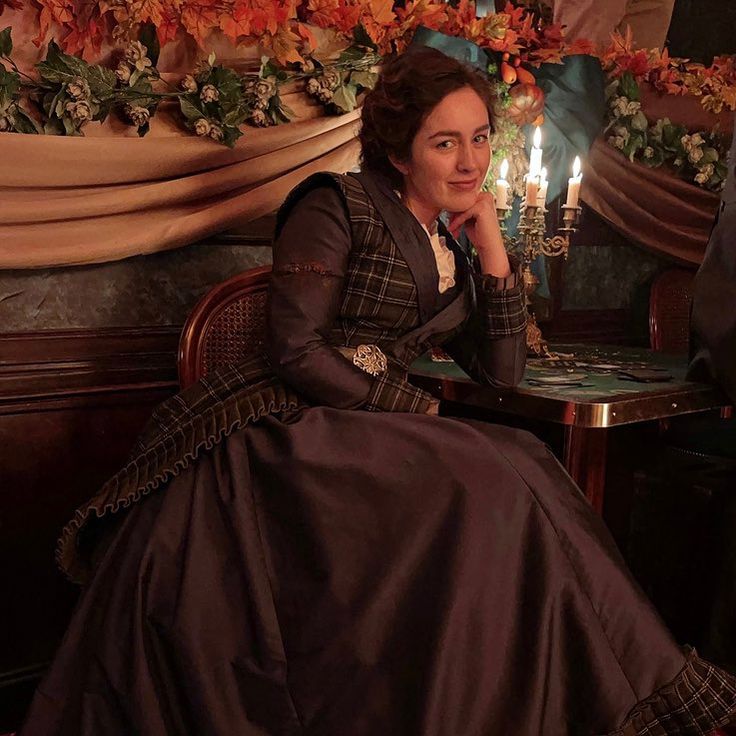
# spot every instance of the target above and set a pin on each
(306, 35)
(381, 11)
(199, 18)
(582, 46)
(235, 28)
(85, 42)
(335, 14)
(166, 31)
(285, 46)
(422, 12)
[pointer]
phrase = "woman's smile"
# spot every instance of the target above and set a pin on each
(468, 185)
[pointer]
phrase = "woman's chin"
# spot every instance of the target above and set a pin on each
(461, 201)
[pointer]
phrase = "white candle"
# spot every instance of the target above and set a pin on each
(543, 184)
(535, 158)
(502, 188)
(532, 188)
(573, 184)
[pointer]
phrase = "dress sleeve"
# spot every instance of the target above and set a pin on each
(492, 346)
(310, 260)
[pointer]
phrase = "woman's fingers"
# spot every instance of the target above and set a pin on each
(484, 207)
(459, 219)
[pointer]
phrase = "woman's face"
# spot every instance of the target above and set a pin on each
(450, 156)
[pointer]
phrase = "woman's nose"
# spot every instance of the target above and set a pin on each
(466, 158)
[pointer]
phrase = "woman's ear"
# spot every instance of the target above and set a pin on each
(400, 166)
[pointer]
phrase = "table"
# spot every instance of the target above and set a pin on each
(604, 400)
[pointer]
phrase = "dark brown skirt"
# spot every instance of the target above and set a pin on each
(351, 574)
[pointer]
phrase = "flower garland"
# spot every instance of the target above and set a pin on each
(700, 157)
(285, 26)
(714, 85)
(331, 47)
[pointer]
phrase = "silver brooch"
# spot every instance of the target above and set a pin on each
(370, 359)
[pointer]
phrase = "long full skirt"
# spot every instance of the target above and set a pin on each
(344, 573)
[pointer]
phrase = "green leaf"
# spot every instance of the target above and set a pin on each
(366, 80)
(361, 38)
(639, 121)
(101, 80)
(9, 80)
(354, 53)
(22, 122)
(69, 127)
(189, 110)
(230, 135)
(134, 77)
(710, 156)
(344, 97)
(149, 38)
(53, 126)
(234, 117)
(672, 135)
(628, 86)
(6, 42)
(286, 112)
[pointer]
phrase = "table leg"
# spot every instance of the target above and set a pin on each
(584, 455)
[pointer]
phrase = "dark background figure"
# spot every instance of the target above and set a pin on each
(702, 29)
(713, 321)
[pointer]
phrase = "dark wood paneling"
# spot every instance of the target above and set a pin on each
(71, 405)
(589, 325)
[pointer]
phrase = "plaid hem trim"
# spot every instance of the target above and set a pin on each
(700, 699)
(391, 394)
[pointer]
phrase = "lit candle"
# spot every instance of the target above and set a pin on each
(502, 188)
(573, 184)
(532, 189)
(543, 184)
(535, 158)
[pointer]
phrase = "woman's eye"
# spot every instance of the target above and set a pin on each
(482, 138)
(444, 145)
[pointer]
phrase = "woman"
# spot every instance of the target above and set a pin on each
(300, 567)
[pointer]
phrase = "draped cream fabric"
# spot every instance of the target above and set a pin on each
(70, 201)
(111, 194)
(595, 20)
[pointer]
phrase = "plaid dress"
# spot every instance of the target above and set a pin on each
(274, 561)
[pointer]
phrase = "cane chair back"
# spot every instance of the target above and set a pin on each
(670, 300)
(226, 325)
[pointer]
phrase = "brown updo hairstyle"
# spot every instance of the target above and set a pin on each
(409, 88)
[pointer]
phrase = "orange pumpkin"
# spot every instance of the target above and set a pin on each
(527, 103)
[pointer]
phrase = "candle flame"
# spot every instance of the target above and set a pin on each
(576, 167)
(543, 174)
(504, 169)
(537, 137)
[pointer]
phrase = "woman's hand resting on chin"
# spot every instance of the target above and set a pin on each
(481, 225)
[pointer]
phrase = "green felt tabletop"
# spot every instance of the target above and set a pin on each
(598, 366)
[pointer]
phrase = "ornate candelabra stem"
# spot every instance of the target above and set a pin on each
(530, 242)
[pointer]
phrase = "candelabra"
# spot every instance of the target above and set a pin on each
(530, 242)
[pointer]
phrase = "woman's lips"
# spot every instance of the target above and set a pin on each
(464, 186)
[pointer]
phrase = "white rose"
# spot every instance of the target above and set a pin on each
(209, 93)
(695, 154)
(202, 127)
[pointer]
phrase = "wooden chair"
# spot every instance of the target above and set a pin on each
(670, 300)
(226, 325)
